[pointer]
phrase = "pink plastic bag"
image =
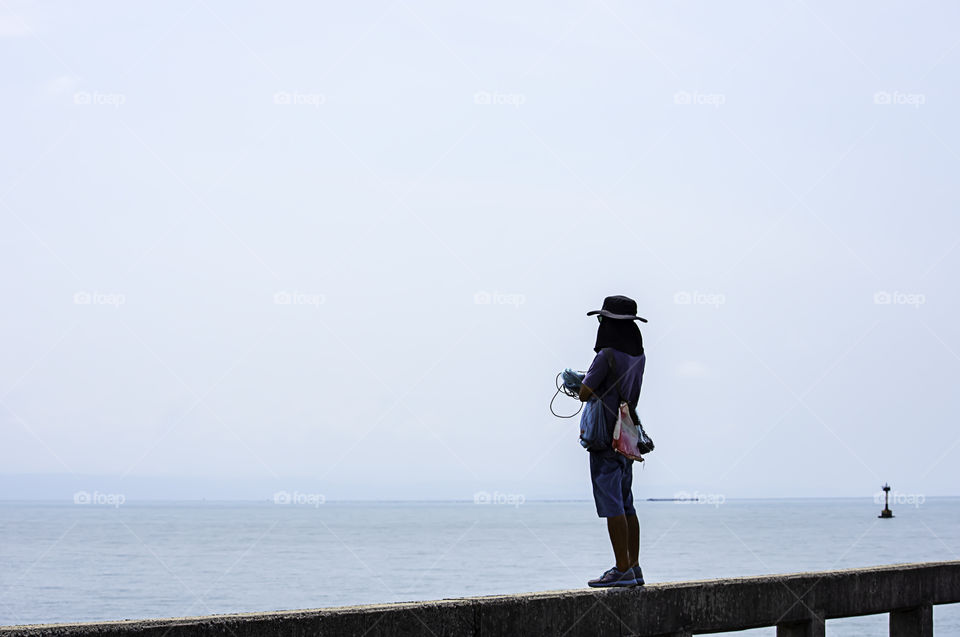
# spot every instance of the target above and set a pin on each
(626, 436)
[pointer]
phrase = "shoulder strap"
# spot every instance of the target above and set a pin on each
(612, 364)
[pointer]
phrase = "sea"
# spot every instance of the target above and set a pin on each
(108, 560)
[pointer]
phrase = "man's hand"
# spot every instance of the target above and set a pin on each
(585, 393)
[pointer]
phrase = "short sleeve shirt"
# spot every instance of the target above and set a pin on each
(599, 379)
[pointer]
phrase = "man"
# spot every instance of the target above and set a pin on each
(619, 338)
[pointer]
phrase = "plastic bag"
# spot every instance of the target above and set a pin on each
(629, 439)
(593, 434)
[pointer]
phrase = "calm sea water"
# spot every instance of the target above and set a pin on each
(66, 562)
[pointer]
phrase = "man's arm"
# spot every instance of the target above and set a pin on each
(594, 376)
(585, 393)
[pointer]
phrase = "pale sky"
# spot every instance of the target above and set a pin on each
(345, 248)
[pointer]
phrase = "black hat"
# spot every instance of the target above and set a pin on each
(618, 307)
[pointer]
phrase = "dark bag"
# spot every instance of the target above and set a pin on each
(644, 443)
(593, 431)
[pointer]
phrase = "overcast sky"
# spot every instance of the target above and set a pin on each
(345, 248)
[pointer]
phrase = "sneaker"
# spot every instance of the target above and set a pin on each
(638, 574)
(614, 577)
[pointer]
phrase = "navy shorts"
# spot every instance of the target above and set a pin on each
(612, 477)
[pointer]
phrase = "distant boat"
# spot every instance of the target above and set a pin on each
(673, 499)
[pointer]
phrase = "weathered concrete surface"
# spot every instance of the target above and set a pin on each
(916, 622)
(677, 608)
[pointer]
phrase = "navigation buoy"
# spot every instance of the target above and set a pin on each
(886, 513)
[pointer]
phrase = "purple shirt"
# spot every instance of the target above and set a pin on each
(604, 384)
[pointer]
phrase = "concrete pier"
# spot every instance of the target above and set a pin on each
(797, 604)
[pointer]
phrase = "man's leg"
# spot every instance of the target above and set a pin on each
(617, 527)
(633, 533)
